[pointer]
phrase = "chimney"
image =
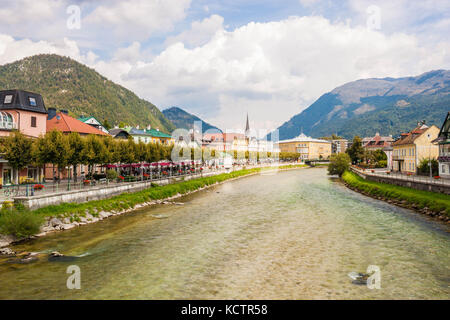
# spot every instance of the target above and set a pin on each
(149, 127)
(64, 111)
(51, 113)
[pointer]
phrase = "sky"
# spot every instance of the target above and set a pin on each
(223, 59)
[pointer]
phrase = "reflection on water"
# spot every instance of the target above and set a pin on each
(294, 235)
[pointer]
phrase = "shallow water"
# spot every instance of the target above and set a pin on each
(293, 235)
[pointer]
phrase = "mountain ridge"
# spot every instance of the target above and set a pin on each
(67, 84)
(366, 106)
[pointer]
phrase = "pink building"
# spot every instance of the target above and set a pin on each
(24, 111)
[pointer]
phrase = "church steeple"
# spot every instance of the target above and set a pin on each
(247, 127)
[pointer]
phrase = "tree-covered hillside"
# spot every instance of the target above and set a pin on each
(67, 84)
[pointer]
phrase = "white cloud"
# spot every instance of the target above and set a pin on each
(12, 50)
(137, 19)
(276, 69)
(200, 32)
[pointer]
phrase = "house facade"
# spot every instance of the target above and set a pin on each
(309, 148)
(339, 146)
(24, 111)
(412, 147)
(443, 141)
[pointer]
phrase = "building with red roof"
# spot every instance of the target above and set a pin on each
(61, 121)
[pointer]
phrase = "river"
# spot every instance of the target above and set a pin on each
(291, 235)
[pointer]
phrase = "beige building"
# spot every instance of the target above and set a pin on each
(413, 147)
(309, 148)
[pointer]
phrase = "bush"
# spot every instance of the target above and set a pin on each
(111, 174)
(19, 222)
(424, 168)
(381, 164)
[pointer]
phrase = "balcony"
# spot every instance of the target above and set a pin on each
(445, 158)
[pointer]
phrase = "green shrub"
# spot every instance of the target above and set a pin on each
(19, 222)
(111, 174)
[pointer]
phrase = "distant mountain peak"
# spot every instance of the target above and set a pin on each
(362, 107)
(185, 120)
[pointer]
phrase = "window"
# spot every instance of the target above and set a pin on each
(32, 101)
(33, 122)
(8, 99)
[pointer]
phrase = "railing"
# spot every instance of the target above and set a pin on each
(383, 173)
(9, 192)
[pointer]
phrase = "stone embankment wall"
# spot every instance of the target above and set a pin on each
(419, 185)
(97, 193)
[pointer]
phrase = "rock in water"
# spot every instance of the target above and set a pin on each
(359, 278)
(57, 256)
(7, 252)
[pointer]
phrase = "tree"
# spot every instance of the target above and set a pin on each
(339, 163)
(18, 150)
(95, 152)
(106, 124)
(53, 148)
(77, 147)
(356, 151)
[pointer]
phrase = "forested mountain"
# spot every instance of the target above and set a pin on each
(66, 84)
(364, 107)
(185, 120)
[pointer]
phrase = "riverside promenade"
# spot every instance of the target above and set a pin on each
(53, 194)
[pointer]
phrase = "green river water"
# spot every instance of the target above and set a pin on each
(291, 235)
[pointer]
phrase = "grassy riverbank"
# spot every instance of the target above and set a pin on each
(420, 200)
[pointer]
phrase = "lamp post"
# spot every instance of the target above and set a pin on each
(429, 157)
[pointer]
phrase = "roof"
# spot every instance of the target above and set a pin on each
(304, 138)
(134, 131)
(157, 133)
(84, 119)
(63, 122)
(410, 137)
(444, 133)
(114, 132)
(22, 100)
(377, 141)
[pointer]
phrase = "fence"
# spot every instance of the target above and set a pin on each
(9, 192)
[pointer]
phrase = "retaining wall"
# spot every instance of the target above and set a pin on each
(97, 193)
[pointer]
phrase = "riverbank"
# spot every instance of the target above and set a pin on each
(67, 216)
(430, 203)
